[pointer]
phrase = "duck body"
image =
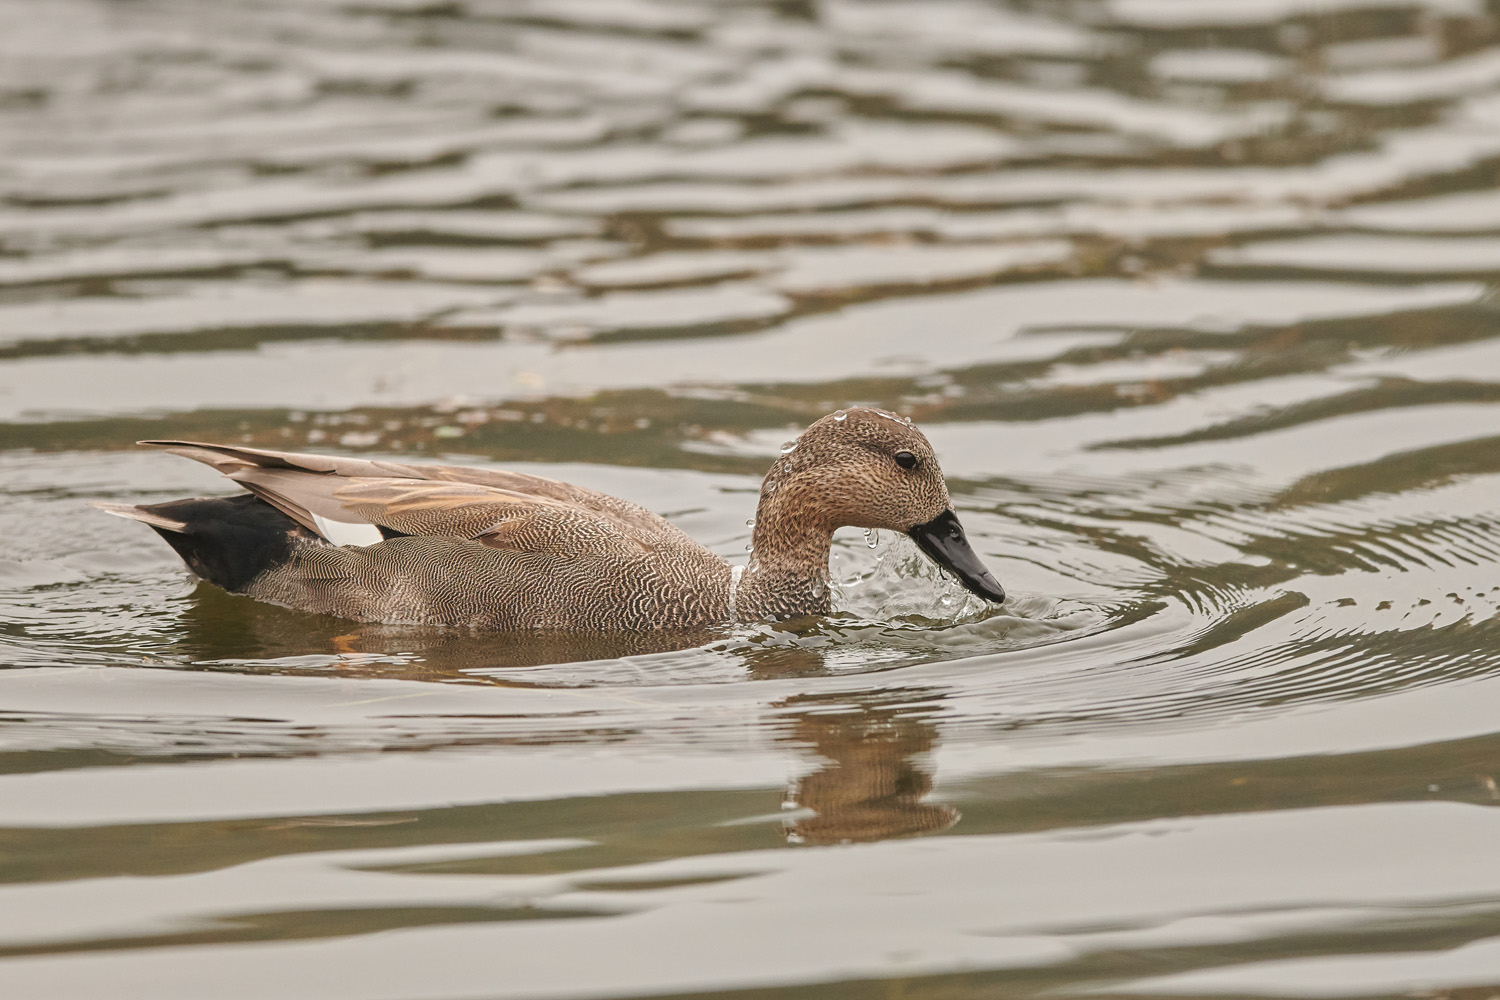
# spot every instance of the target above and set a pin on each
(441, 580)
(381, 541)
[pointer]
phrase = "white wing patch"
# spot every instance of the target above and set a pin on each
(346, 533)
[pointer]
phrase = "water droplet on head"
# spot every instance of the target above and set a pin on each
(840, 416)
(789, 447)
(749, 546)
(749, 522)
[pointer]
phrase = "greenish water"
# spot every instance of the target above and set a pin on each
(1194, 298)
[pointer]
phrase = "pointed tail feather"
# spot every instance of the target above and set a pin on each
(141, 514)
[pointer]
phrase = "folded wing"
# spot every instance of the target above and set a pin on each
(349, 500)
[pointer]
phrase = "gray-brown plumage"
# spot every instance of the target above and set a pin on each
(450, 545)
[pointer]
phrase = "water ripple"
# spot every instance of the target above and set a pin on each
(1192, 299)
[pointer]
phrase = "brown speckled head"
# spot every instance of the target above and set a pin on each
(864, 468)
(861, 467)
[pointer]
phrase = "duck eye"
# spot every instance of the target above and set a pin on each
(906, 460)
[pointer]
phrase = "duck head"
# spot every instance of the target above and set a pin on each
(869, 468)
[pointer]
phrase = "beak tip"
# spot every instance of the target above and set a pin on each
(987, 587)
(993, 592)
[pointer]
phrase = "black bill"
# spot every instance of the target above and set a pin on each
(943, 540)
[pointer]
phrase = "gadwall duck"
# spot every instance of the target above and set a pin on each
(447, 545)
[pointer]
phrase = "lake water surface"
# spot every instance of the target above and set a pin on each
(1192, 297)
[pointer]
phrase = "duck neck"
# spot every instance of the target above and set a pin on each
(788, 571)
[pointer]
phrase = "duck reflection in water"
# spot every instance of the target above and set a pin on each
(873, 773)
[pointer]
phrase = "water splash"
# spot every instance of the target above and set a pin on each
(887, 579)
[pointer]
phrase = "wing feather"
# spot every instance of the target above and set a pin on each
(642, 524)
(498, 508)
